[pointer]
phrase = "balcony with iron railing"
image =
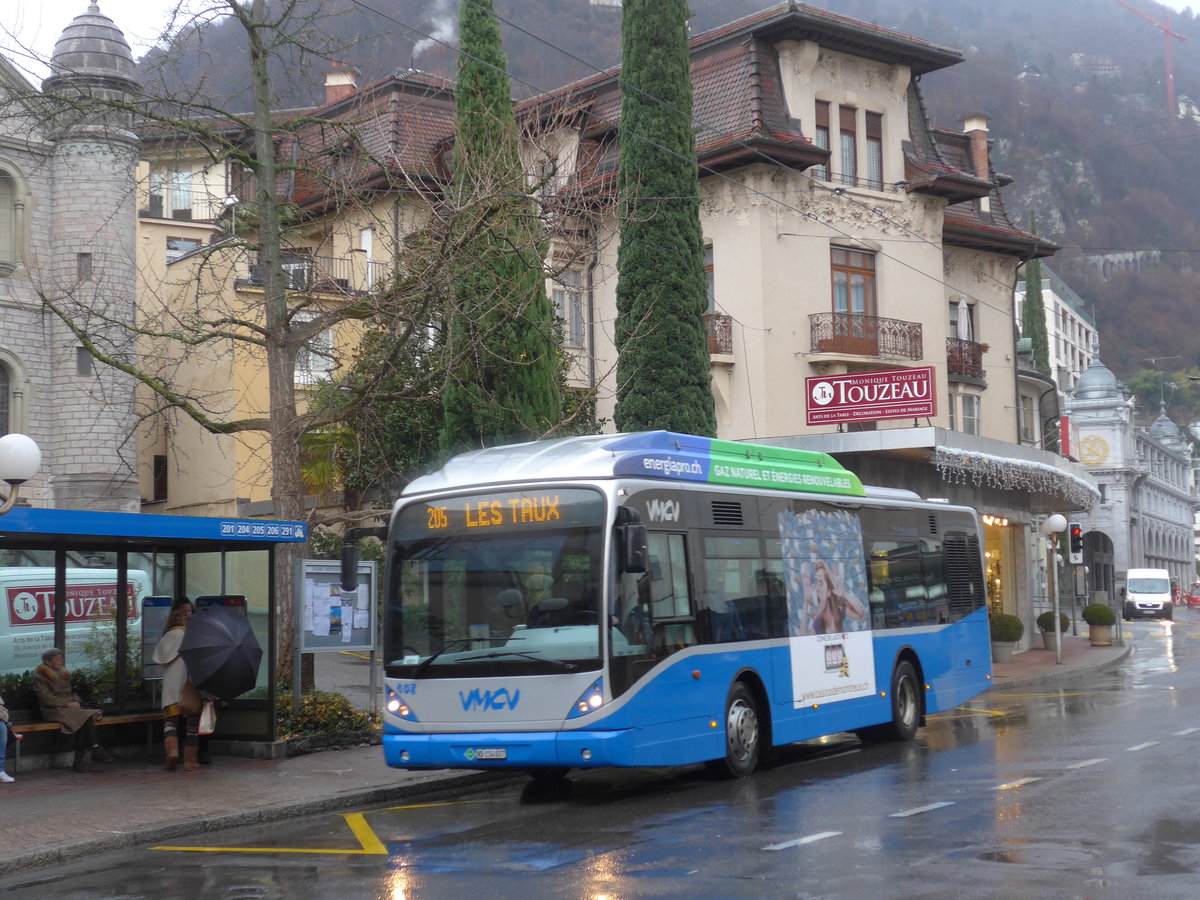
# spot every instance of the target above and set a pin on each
(964, 360)
(720, 334)
(847, 334)
(316, 275)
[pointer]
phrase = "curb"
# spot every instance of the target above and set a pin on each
(166, 831)
(1072, 674)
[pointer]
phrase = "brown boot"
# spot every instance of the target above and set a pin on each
(171, 745)
(190, 752)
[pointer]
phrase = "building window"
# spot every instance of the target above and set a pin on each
(853, 281)
(178, 247)
(6, 380)
(875, 151)
(8, 219)
(314, 358)
(821, 137)
(1026, 421)
(710, 278)
(847, 142)
(83, 361)
(83, 266)
(160, 478)
(970, 413)
(567, 293)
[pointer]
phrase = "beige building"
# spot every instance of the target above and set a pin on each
(844, 234)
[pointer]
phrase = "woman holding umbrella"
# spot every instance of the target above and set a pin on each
(179, 696)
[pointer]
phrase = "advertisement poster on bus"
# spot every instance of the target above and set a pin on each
(826, 584)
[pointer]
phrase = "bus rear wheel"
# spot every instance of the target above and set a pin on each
(906, 708)
(743, 733)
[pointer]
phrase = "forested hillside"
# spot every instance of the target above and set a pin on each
(1108, 173)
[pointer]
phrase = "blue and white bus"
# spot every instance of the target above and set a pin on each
(661, 599)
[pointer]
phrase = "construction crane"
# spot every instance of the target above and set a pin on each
(1169, 55)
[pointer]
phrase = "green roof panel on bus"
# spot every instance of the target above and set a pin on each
(648, 454)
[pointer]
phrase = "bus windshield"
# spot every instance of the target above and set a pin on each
(504, 582)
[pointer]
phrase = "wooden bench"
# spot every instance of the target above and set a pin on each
(20, 729)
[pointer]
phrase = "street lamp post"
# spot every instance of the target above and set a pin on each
(1052, 527)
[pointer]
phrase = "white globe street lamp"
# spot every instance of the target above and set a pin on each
(19, 461)
(1054, 525)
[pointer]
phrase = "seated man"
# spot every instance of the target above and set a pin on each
(59, 703)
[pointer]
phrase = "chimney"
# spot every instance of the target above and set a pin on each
(341, 80)
(976, 128)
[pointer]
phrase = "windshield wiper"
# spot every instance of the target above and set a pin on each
(424, 664)
(526, 654)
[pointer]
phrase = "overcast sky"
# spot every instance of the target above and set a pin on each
(37, 24)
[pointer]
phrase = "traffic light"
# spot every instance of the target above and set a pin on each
(1076, 533)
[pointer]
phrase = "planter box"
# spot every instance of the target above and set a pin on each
(1100, 635)
(1002, 651)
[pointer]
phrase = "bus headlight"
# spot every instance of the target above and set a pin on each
(589, 701)
(398, 707)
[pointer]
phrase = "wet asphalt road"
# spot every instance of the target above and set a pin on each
(1089, 791)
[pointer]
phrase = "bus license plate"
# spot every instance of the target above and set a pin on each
(491, 753)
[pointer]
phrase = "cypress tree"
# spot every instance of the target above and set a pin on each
(1033, 313)
(503, 378)
(663, 378)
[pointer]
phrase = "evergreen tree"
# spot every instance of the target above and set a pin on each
(1033, 313)
(506, 386)
(663, 376)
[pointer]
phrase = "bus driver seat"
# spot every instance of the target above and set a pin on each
(566, 607)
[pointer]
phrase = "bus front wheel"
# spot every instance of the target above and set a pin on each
(742, 735)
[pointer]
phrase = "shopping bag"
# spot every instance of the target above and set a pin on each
(208, 718)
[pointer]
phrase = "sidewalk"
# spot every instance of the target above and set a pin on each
(64, 815)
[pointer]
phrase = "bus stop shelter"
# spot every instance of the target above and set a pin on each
(60, 572)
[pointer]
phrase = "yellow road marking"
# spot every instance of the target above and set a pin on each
(967, 713)
(369, 844)
(430, 805)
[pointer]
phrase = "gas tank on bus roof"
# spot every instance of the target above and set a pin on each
(648, 454)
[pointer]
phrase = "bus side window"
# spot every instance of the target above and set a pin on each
(670, 600)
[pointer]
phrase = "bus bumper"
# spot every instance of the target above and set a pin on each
(513, 750)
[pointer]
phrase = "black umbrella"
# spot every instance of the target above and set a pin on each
(221, 652)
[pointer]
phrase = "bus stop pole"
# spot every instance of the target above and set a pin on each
(297, 640)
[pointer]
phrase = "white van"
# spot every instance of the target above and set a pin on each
(1148, 593)
(27, 613)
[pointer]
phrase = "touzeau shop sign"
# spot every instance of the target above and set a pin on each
(870, 396)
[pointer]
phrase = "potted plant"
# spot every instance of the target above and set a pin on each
(1100, 619)
(1006, 631)
(1046, 623)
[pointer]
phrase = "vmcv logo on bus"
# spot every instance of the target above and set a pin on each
(663, 510)
(494, 701)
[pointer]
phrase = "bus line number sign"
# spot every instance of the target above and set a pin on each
(870, 396)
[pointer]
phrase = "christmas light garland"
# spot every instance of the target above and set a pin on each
(983, 469)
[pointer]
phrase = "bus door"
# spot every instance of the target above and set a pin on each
(653, 616)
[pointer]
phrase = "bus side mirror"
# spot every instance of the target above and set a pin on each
(349, 567)
(631, 541)
(350, 553)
